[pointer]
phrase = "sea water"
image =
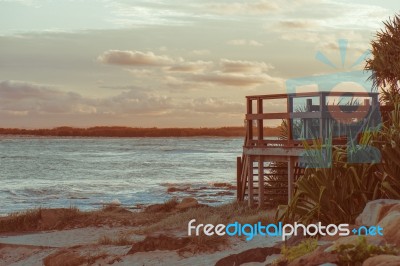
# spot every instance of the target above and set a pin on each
(90, 172)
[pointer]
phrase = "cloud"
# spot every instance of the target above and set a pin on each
(133, 58)
(31, 97)
(27, 104)
(215, 105)
(236, 73)
(141, 59)
(235, 79)
(121, 87)
(140, 72)
(243, 42)
(327, 15)
(297, 24)
(18, 96)
(238, 66)
(135, 102)
(179, 73)
(128, 13)
(201, 52)
(197, 66)
(243, 8)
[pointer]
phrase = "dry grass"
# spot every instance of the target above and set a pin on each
(167, 206)
(159, 218)
(223, 214)
(22, 221)
(72, 257)
(156, 219)
(122, 240)
(38, 219)
(67, 218)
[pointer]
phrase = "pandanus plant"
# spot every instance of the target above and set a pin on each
(332, 190)
(388, 141)
(385, 69)
(339, 193)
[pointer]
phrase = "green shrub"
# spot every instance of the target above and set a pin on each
(303, 248)
(335, 194)
(356, 254)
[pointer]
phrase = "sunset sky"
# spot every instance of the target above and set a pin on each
(167, 63)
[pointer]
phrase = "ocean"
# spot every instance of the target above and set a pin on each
(88, 173)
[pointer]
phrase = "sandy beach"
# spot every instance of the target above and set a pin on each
(109, 236)
(33, 249)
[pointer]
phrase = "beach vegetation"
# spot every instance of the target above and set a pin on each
(357, 253)
(121, 240)
(108, 131)
(385, 61)
(338, 193)
(306, 246)
(222, 214)
(335, 194)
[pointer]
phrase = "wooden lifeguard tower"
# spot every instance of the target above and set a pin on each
(268, 168)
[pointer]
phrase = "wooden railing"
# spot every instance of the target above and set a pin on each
(324, 112)
(256, 145)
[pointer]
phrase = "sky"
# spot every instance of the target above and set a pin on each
(168, 63)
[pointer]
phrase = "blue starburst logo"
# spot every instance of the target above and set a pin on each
(342, 43)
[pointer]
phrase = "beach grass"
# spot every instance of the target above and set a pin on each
(121, 240)
(155, 220)
(222, 214)
(30, 220)
(67, 218)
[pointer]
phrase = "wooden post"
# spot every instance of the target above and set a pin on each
(289, 109)
(309, 105)
(307, 122)
(238, 178)
(260, 181)
(322, 109)
(290, 178)
(260, 126)
(250, 182)
(249, 122)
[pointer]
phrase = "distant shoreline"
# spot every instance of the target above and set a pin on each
(130, 132)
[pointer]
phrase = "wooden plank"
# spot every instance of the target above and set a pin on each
(349, 94)
(270, 181)
(282, 142)
(273, 194)
(250, 182)
(268, 96)
(267, 116)
(344, 115)
(304, 115)
(261, 182)
(249, 122)
(335, 112)
(322, 103)
(238, 178)
(290, 178)
(348, 108)
(289, 110)
(273, 151)
(313, 94)
(309, 105)
(260, 126)
(245, 174)
(271, 167)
